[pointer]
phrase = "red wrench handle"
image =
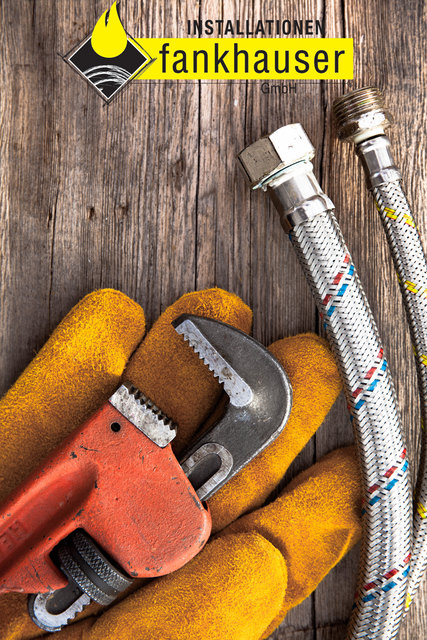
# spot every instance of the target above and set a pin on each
(108, 478)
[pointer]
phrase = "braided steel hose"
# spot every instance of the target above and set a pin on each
(370, 394)
(280, 163)
(362, 117)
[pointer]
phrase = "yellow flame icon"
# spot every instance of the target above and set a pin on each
(109, 38)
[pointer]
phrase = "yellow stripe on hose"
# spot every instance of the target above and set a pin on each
(421, 510)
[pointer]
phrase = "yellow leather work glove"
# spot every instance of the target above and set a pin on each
(259, 565)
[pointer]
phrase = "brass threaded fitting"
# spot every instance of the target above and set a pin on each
(361, 114)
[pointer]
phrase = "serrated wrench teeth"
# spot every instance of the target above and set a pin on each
(237, 389)
(260, 402)
(143, 414)
(38, 608)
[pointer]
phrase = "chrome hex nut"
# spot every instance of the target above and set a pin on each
(263, 159)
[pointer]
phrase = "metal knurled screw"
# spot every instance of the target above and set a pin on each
(84, 563)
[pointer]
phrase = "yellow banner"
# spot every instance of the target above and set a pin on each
(248, 58)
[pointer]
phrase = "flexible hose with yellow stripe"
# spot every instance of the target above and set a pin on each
(362, 118)
(411, 267)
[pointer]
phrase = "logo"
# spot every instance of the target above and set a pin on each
(109, 59)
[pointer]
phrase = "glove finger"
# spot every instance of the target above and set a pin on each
(230, 591)
(16, 624)
(314, 522)
(171, 374)
(78, 367)
(74, 373)
(238, 587)
(316, 384)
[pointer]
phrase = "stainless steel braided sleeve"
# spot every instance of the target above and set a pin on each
(411, 267)
(362, 117)
(280, 164)
(369, 389)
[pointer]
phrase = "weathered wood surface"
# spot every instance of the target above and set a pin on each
(145, 196)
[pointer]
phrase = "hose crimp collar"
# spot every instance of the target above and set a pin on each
(377, 162)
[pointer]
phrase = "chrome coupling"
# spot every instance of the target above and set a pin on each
(280, 163)
(362, 117)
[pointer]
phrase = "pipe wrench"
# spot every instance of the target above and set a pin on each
(113, 503)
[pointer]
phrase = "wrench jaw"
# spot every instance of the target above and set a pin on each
(260, 401)
(143, 414)
(191, 329)
(40, 614)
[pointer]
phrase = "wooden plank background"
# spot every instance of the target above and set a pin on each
(145, 196)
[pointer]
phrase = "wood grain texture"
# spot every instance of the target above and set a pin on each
(145, 196)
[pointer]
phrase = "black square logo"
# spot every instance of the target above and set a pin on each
(108, 76)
